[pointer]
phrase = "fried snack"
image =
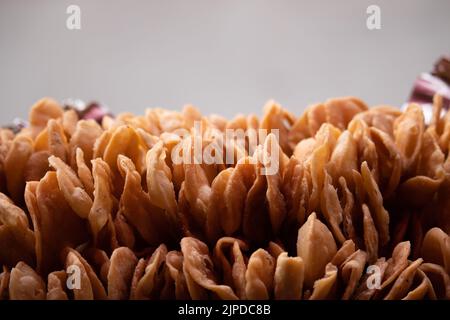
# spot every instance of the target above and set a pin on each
(55, 224)
(15, 163)
(104, 207)
(148, 278)
(199, 272)
(120, 273)
(41, 113)
(25, 283)
(229, 256)
(289, 277)
(17, 240)
(83, 138)
(342, 202)
(316, 247)
(259, 276)
(338, 112)
(56, 286)
(90, 286)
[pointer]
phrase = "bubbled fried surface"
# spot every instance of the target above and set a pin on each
(356, 187)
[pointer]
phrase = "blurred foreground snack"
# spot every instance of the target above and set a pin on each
(344, 201)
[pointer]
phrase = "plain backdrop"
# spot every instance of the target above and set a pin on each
(223, 56)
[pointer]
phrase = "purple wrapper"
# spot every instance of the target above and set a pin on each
(426, 86)
(93, 110)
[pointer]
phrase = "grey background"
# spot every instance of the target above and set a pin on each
(223, 56)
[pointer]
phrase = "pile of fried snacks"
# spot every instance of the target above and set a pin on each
(356, 204)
